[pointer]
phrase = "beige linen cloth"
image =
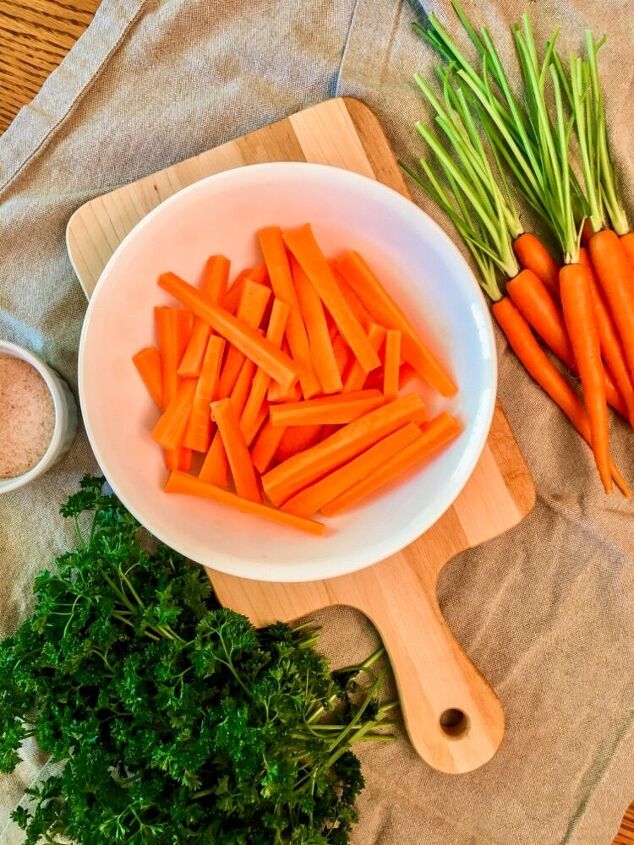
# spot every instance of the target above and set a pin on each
(546, 610)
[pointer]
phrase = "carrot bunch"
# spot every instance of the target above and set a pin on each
(281, 395)
(583, 311)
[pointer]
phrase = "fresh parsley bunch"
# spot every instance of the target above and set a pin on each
(172, 719)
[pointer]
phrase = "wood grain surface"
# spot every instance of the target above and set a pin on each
(34, 37)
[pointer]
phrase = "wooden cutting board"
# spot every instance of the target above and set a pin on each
(452, 715)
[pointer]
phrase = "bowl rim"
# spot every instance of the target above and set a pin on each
(51, 379)
(340, 564)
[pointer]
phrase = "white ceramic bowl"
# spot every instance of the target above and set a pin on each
(420, 266)
(65, 417)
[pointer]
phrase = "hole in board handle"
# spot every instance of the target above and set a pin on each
(453, 722)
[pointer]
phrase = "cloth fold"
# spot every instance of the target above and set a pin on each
(545, 610)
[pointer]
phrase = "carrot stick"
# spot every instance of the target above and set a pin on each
(387, 313)
(301, 470)
(576, 300)
(322, 353)
(232, 297)
(242, 387)
(266, 445)
(215, 468)
(148, 364)
(358, 308)
(253, 301)
(313, 498)
(262, 352)
(616, 278)
(295, 439)
(304, 247)
(611, 349)
(262, 417)
(356, 376)
(539, 366)
(214, 285)
(181, 482)
(170, 428)
(341, 351)
(172, 327)
(198, 433)
(437, 433)
(533, 255)
(236, 449)
(261, 381)
(326, 410)
(277, 393)
(259, 274)
(627, 241)
(277, 264)
(392, 364)
(178, 459)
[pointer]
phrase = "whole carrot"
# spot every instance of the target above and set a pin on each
(628, 245)
(533, 255)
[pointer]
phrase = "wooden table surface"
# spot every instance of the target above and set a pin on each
(35, 35)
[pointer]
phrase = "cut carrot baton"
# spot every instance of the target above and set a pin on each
(313, 498)
(277, 393)
(356, 376)
(437, 433)
(387, 313)
(198, 433)
(539, 366)
(533, 255)
(295, 439)
(170, 429)
(242, 387)
(215, 468)
(611, 349)
(322, 353)
(327, 410)
(341, 351)
(172, 328)
(261, 381)
(181, 482)
(148, 364)
(253, 301)
(358, 308)
(616, 277)
(301, 470)
(248, 340)
(266, 445)
(304, 247)
(214, 286)
(236, 449)
(391, 364)
(277, 263)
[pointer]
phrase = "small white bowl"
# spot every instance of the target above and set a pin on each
(418, 263)
(65, 409)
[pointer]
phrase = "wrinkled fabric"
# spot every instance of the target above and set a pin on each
(545, 610)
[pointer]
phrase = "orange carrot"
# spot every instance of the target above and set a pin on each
(313, 498)
(232, 297)
(301, 470)
(178, 459)
(198, 433)
(627, 241)
(277, 393)
(215, 468)
(358, 308)
(181, 482)
(543, 371)
(248, 340)
(259, 274)
(322, 354)
(242, 387)
(262, 417)
(236, 449)
(387, 313)
(253, 301)
(172, 424)
(611, 349)
(215, 275)
(533, 255)
(261, 381)
(326, 410)
(173, 326)
(266, 445)
(586, 233)
(616, 277)
(148, 364)
(392, 364)
(576, 300)
(340, 350)
(437, 433)
(304, 247)
(295, 439)
(277, 264)
(356, 376)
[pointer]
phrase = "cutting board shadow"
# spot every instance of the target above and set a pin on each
(453, 717)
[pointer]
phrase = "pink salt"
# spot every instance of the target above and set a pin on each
(27, 416)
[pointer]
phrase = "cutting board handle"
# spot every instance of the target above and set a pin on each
(454, 719)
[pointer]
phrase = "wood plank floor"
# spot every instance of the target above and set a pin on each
(35, 35)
